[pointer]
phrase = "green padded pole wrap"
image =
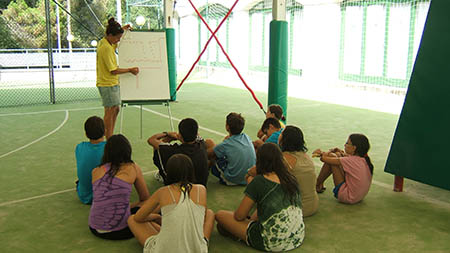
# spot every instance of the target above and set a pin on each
(172, 62)
(278, 64)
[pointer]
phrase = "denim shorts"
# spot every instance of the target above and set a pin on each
(336, 189)
(110, 95)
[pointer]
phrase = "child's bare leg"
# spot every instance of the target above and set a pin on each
(338, 175)
(142, 231)
(325, 172)
(208, 225)
(226, 220)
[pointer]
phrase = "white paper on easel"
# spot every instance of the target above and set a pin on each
(147, 51)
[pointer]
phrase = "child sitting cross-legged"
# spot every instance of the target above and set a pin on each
(277, 224)
(185, 223)
(231, 158)
(112, 183)
(89, 155)
(271, 128)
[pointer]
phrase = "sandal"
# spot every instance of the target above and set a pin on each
(321, 190)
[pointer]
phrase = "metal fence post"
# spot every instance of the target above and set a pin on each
(51, 75)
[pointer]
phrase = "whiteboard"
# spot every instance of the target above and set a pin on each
(147, 51)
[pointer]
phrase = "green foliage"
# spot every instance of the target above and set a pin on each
(7, 40)
(24, 23)
(4, 3)
(152, 13)
(27, 24)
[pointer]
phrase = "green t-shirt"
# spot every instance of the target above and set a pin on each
(280, 224)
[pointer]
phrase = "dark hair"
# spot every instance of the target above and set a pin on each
(117, 151)
(270, 159)
(270, 121)
(94, 128)
(188, 129)
(235, 123)
(113, 27)
(277, 110)
(292, 139)
(180, 169)
(362, 145)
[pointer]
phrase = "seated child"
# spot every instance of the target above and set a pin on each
(191, 145)
(89, 155)
(231, 158)
(273, 111)
(301, 166)
(186, 223)
(352, 169)
(112, 184)
(277, 224)
(272, 129)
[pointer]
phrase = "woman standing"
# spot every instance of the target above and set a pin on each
(108, 74)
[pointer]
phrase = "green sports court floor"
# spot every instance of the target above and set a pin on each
(40, 212)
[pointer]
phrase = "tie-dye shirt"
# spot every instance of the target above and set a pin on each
(111, 203)
(280, 224)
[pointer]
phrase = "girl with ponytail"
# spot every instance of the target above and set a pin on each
(185, 223)
(108, 73)
(351, 168)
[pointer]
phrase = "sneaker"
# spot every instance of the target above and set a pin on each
(158, 177)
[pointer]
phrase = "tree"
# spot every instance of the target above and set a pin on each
(7, 40)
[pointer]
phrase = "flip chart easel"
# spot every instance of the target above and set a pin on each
(146, 50)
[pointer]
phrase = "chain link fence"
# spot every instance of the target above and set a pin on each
(363, 44)
(75, 28)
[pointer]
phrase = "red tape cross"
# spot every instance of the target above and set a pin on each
(223, 50)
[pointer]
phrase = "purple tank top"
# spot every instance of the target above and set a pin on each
(111, 203)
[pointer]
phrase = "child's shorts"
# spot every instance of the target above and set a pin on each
(110, 95)
(336, 189)
(217, 170)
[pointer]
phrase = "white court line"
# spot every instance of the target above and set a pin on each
(39, 112)
(49, 194)
(176, 119)
(40, 138)
(310, 105)
(35, 197)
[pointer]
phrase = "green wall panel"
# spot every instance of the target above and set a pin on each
(419, 150)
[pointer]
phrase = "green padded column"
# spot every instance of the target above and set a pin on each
(278, 64)
(419, 150)
(172, 62)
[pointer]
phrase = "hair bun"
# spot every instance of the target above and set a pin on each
(111, 21)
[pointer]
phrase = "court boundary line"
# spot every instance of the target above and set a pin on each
(50, 194)
(177, 119)
(40, 138)
(40, 112)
